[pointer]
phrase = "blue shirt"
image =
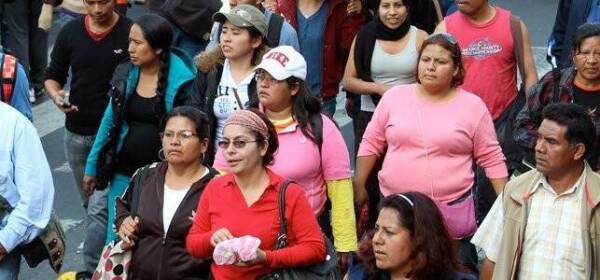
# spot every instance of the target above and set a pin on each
(25, 180)
(20, 96)
(594, 15)
(311, 34)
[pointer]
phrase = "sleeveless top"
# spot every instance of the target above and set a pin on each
(488, 57)
(392, 69)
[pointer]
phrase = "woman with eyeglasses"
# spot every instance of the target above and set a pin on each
(311, 150)
(243, 205)
(154, 81)
(225, 82)
(169, 194)
(383, 54)
(409, 241)
(433, 132)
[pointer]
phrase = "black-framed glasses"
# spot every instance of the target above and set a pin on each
(184, 135)
(444, 35)
(237, 143)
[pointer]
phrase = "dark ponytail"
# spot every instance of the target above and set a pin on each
(159, 34)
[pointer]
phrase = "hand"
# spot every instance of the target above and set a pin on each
(343, 259)
(129, 228)
(60, 102)
(45, 19)
(89, 184)
(354, 7)
(360, 194)
(382, 89)
(349, 106)
(261, 257)
(271, 5)
(220, 236)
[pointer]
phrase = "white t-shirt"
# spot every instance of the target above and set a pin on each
(230, 97)
(172, 199)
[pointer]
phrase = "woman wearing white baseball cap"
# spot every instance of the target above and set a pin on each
(312, 150)
(225, 81)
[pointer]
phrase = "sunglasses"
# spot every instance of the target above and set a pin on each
(238, 143)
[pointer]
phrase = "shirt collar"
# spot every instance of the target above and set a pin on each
(543, 182)
(274, 179)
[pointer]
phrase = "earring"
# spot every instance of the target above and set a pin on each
(161, 155)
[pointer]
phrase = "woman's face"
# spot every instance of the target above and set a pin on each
(392, 13)
(240, 149)
(436, 68)
(180, 142)
(391, 242)
(587, 60)
(140, 51)
(236, 42)
(275, 95)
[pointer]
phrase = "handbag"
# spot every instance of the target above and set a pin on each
(328, 270)
(115, 260)
(459, 216)
(50, 244)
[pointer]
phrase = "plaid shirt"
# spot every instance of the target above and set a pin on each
(540, 95)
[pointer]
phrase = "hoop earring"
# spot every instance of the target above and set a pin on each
(161, 155)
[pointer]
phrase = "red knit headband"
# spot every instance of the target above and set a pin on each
(249, 120)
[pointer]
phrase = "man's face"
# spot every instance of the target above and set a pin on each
(100, 10)
(233, 3)
(553, 153)
(468, 7)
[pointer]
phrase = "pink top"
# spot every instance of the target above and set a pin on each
(298, 158)
(489, 59)
(431, 146)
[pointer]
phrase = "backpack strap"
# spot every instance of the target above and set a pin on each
(9, 69)
(274, 30)
(517, 35)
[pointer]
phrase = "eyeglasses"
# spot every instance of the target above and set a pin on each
(184, 135)
(261, 76)
(589, 55)
(238, 143)
(444, 35)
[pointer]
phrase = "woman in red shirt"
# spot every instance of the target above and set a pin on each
(245, 203)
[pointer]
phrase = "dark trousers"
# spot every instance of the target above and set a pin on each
(21, 37)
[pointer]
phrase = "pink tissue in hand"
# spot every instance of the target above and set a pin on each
(228, 251)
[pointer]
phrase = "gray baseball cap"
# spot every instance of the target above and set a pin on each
(244, 16)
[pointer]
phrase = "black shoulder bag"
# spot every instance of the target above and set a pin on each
(328, 270)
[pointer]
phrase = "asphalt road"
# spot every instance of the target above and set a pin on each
(537, 14)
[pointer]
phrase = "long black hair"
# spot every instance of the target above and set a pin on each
(305, 107)
(159, 34)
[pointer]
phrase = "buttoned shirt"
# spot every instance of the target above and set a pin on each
(553, 243)
(25, 180)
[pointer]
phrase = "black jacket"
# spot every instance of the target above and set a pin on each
(156, 255)
(206, 86)
(569, 15)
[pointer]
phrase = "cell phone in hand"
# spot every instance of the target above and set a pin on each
(66, 104)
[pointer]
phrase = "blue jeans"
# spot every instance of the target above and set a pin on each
(10, 265)
(328, 106)
(77, 148)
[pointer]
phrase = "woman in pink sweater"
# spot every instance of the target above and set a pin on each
(433, 132)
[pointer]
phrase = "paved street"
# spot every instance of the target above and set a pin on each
(537, 14)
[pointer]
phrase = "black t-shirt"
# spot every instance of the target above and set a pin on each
(588, 99)
(142, 143)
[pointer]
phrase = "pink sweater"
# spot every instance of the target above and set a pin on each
(431, 146)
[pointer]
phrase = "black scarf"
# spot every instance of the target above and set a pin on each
(365, 44)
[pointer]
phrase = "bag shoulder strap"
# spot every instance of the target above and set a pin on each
(282, 236)
(517, 35)
(274, 30)
(9, 69)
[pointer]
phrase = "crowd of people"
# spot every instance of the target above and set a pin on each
(213, 152)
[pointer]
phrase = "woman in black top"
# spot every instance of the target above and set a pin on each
(156, 79)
